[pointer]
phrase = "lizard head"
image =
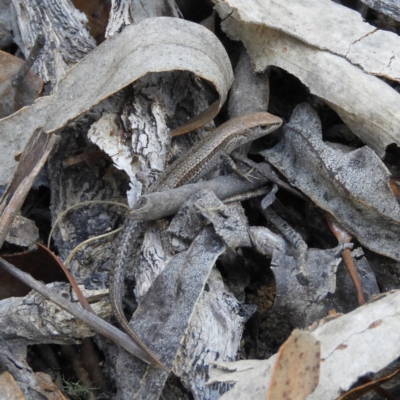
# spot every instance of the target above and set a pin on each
(259, 124)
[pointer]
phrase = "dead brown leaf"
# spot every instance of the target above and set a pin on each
(296, 371)
(9, 390)
(353, 186)
(13, 98)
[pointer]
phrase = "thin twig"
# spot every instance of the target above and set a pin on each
(94, 322)
(351, 268)
(33, 55)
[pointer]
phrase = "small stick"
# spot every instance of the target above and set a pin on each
(81, 298)
(344, 237)
(33, 55)
(351, 268)
(96, 323)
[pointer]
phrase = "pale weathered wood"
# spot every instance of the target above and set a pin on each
(366, 104)
(39, 320)
(344, 338)
(65, 31)
(324, 25)
(6, 20)
(127, 12)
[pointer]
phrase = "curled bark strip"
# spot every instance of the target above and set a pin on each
(155, 45)
(153, 206)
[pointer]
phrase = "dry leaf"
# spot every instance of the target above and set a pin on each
(324, 25)
(328, 287)
(349, 346)
(38, 263)
(303, 304)
(367, 105)
(353, 187)
(14, 98)
(296, 371)
(154, 45)
(9, 390)
(162, 320)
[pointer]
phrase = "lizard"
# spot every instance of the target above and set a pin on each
(202, 157)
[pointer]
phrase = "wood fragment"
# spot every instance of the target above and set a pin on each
(33, 158)
(88, 318)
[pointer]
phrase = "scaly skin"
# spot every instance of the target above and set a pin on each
(189, 168)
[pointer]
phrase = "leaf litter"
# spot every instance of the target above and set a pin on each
(352, 185)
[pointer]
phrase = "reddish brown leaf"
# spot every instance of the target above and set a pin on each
(359, 391)
(82, 299)
(38, 263)
(14, 98)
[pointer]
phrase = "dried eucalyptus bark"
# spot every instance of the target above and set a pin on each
(188, 221)
(391, 8)
(306, 278)
(6, 34)
(366, 104)
(205, 339)
(117, 65)
(347, 340)
(305, 304)
(266, 242)
(67, 38)
(23, 232)
(229, 221)
(250, 91)
(352, 186)
(156, 205)
(161, 320)
(323, 25)
(127, 12)
(218, 317)
(39, 320)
